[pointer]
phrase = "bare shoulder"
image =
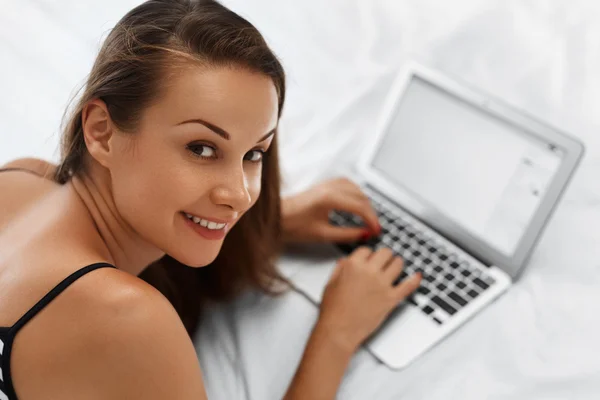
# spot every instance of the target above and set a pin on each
(37, 166)
(126, 341)
(21, 189)
(142, 347)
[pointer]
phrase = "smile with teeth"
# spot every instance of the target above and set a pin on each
(205, 223)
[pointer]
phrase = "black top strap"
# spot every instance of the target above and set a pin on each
(55, 292)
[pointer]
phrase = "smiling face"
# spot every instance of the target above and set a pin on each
(196, 154)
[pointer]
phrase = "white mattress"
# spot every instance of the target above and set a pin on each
(541, 339)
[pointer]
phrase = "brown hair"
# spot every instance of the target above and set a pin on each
(155, 36)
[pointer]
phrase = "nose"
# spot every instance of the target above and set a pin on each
(233, 191)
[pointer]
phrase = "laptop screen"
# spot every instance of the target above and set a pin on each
(480, 171)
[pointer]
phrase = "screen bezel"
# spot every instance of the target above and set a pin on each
(573, 152)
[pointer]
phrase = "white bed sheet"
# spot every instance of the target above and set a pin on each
(540, 340)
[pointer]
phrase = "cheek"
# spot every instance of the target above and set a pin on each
(254, 185)
(145, 179)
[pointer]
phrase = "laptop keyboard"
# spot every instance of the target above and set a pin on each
(450, 281)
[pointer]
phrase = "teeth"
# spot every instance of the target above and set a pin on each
(204, 223)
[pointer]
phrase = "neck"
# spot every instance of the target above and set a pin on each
(123, 246)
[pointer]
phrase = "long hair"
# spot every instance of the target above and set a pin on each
(127, 76)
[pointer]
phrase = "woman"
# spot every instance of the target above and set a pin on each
(169, 163)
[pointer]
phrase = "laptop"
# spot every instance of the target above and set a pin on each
(463, 185)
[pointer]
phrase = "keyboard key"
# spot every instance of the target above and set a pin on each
(438, 269)
(437, 320)
(489, 280)
(426, 261)
(346, 248)
(444, 305)
(457, 299)
(454, 264)
(461, 285)
(473, 293)
(403, 275)
(441, 287)
(430, 278)
(440, 315)
(443, 257)
(423, 290)
(420, 299)
(465, 273)
(481, 283)
(427, 310)
(449, 277)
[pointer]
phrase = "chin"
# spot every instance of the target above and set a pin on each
(195, 259)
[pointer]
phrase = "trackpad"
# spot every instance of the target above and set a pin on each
(405, 335)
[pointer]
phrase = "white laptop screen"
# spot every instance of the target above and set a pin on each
(480, 171)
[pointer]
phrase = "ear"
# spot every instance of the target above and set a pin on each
(98, 131)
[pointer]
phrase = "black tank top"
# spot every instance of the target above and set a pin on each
(7, 334)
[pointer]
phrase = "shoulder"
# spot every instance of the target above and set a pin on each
(20, 189)
(146, 351)
(120, 339)
(34, 165)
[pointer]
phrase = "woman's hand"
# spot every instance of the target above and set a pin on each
(305, 216)
(359, 295)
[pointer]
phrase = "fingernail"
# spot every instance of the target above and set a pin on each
(365, 235)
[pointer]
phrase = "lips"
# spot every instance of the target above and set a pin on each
(216, 220)
(210, 234)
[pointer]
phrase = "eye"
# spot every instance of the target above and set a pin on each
(255, 155)
(202, 151)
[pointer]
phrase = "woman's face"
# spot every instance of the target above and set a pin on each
(194, 167)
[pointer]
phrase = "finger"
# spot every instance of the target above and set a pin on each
(407, 286)
(361, 208)
(337, 271)
(352, 189)
(381, 258)
(394, 269)
(343, 234)
(361, 254)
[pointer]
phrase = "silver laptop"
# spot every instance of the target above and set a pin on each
(463, 185)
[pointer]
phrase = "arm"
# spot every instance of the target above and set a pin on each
(357, 299)
(322, 367)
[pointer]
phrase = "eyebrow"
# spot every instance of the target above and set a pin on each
(219, 131)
